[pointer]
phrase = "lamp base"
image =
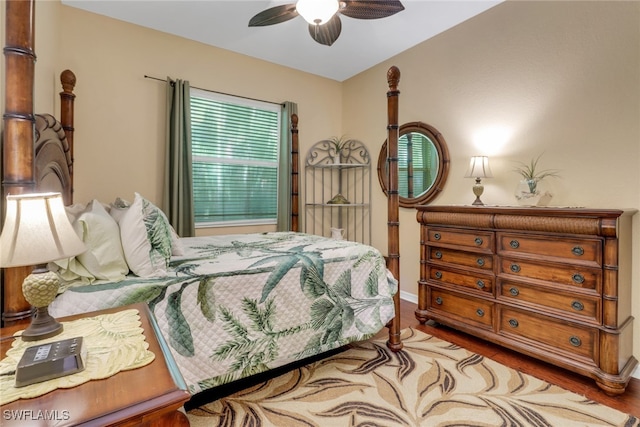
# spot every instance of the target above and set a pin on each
(477, 202)
(478, 189)
(39, 289)
(42, 326)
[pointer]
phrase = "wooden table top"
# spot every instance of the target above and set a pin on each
(147, 395)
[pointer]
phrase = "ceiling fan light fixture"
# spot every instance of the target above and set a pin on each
(317, 12)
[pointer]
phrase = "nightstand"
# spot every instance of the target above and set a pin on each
(147, 396)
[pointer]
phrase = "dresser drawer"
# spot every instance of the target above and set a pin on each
(465, 308)
(580, 307)
(469, 239)
(454, 277)
(466, 259)
(578, 340)
(587, 252)
(572, 275)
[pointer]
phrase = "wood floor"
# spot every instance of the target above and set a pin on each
(629, 402)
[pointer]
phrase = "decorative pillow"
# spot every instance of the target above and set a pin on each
(104, 258)
(120, 206)
(146, 238)
(176, 244)
(74, 211)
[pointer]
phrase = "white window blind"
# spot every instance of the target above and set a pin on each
(235, 159)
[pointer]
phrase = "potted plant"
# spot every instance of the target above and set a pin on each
(337, 145)
(529, 192)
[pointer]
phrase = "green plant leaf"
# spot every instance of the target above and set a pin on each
(180, 336)
(530, 171)
(206, 299)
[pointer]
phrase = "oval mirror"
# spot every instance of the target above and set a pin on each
(423, 164)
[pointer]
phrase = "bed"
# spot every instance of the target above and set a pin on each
(229, 306)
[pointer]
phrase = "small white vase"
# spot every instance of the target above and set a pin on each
(531, 192)
(337, 233)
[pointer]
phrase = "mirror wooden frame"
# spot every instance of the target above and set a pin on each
(443, 164)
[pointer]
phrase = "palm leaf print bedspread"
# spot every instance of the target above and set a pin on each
(237, 305)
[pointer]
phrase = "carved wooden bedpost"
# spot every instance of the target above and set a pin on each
(18, 139)
(67, 99)
(295, 175)
(393, 198)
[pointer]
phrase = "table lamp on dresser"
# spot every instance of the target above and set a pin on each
(37, 231)
(478, 169)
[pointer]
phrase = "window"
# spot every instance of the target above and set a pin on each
(235, 159)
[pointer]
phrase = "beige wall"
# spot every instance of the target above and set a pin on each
(559, 78)
(120, 115)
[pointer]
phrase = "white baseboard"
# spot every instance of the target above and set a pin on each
(407, 296)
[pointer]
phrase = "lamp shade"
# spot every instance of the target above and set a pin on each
(36, 231)
(317, 12)
(479, 168)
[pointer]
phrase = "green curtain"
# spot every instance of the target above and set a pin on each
(284, 169)
(178, 182)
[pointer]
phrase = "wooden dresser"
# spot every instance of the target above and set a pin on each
(552, 283)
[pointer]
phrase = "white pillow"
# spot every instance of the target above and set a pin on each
(176, 245)
(146, 238)
(104, 258)
(120, 206)
(74, 211)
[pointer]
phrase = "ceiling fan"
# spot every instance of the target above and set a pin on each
(323, 15)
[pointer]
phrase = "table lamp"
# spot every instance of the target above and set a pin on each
(478, 169)
(37, 231)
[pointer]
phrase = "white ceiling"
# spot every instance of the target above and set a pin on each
(224, 23)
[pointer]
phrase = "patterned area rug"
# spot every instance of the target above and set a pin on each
(430, 383)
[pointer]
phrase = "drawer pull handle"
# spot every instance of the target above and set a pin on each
(437, 254)
(478, 241)
(515, 268)
(577, 306)
(480, 262)
(439, 300)
(577, 251)
(438, 275)
(514, 291)
(578, 278)
(575, 341)
(480, 284)
(514, 244)
(480, 312)
(436, 236)
(513, 323)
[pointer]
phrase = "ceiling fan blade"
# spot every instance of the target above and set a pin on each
(274, 15)
(327, 33)
(363, 9)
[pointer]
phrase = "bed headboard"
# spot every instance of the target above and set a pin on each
(54, 144)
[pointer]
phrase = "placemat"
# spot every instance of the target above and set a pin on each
(115, 342)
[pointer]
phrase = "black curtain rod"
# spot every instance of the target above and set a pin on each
(215, 91)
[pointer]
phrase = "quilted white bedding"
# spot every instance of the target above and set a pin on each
(236, 305)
